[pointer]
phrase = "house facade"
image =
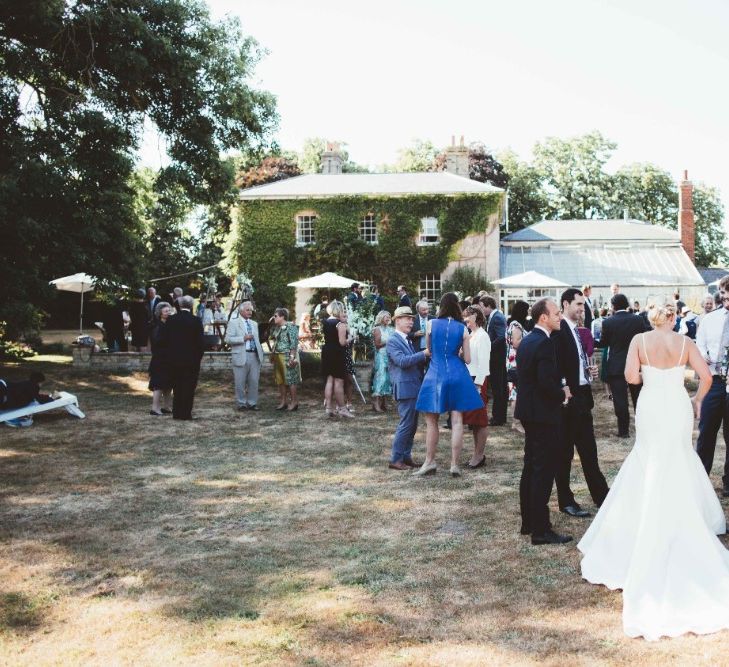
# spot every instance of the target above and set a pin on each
(383, 229)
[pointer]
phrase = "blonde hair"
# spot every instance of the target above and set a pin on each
(658, 315)
(381, 316)
(336, 308)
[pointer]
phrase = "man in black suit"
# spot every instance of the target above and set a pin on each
(496, 329)
(577, 426)
(539, 407)
(404, 299)
(617, 332)
(182, 337)
(589, 306)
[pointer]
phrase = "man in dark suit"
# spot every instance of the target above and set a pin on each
(496, 329)
(417, 333)
(539, 407)
(406, 376)
(182, 336)
(617, 332)
(589, 306)
(404, 299)
(577, 427)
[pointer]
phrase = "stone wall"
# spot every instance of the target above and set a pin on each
(212, 362)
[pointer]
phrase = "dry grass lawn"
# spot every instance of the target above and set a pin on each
(269, 539)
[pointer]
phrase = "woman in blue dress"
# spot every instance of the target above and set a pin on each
(381, 385)
(447, 386)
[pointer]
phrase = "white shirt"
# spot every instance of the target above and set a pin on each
(578, 342)
(480, 346)
(708, 338)
(541, 328)
(404, 335)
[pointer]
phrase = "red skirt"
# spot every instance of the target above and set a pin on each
(478, 417)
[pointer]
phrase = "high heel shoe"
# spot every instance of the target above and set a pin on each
(343, 412)
(294, 409)
(281, 407)
(455, 471)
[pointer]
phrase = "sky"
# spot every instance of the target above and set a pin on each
(650, 75)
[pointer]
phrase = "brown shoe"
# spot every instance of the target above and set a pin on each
(411, 464)
(398, 465)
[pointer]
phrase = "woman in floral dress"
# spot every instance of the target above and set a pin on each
(516, 330)
(381, 387)
(286, 366)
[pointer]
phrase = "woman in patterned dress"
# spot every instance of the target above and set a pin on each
(515, 331)
(381, 387)
(286, 366)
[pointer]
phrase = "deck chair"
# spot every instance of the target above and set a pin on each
(64, 400)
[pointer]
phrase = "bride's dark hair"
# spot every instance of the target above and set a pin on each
(658, 315)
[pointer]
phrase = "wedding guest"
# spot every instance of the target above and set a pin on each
(176, 295)
(447, 386)
(306, 335)
(354, 298)
(406, 374)
(712, 339)
(246, 356)
(333, 367)
(707, 306)
(114, 326)
(718, 300)
(480, 346)
(379, 302)
(496, 329)
(539, 407)
(614, 289)
(349, 362)
(688, 323)
(417, 335)
(617, 332)
(573, 362)
(381, 384)
(285, 356)
(160, 380)
(596, 328)
(139, 322)
(320, 312)
(515, 332)
(403, 298)
(588, 342)
(151, 303)
(680, 305)
(589, 307)
(182, 337)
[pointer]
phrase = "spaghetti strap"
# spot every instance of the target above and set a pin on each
(645, 352)
(683, 347)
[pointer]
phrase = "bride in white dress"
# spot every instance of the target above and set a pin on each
(655, 535)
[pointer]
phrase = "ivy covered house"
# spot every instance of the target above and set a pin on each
(386, 229)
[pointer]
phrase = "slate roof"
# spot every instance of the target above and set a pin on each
(593, 230)
(599, 252)
(392, 185)
(712, 274)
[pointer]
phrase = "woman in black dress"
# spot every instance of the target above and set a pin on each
(333, 367)
(159, 375)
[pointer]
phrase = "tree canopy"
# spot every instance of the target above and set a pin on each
(77, 81)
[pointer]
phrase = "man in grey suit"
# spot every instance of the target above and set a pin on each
(406, 376)
(247, 356)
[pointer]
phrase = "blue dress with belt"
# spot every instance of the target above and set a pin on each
(447, 385)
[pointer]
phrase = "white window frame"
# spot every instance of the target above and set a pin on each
(306, 229)
(368, 229)
(429, 232)
(429, 287)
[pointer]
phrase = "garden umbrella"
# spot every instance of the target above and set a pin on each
(326, 280)
(80, 283)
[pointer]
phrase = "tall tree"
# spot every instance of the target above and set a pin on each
(77, 80)
(419, 156)
(527, 199)
(647, 193)
(576, 185)
(711, 248)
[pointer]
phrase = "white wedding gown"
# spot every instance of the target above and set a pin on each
(655, 535)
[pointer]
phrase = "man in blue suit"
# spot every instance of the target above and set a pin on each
(406, 376)
(496, 329)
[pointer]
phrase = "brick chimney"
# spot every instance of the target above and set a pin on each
(331, 160)
(686, 226)
(457, 159)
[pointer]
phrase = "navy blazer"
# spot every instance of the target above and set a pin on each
(496, 328)
(406, 367)
(617, 332)
(539, 396)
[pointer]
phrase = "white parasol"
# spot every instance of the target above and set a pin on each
(326, 280)
(80, 283)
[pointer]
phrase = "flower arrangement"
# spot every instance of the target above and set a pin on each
(361, 320)
(245, 284)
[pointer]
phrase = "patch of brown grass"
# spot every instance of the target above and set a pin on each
(261, 538)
